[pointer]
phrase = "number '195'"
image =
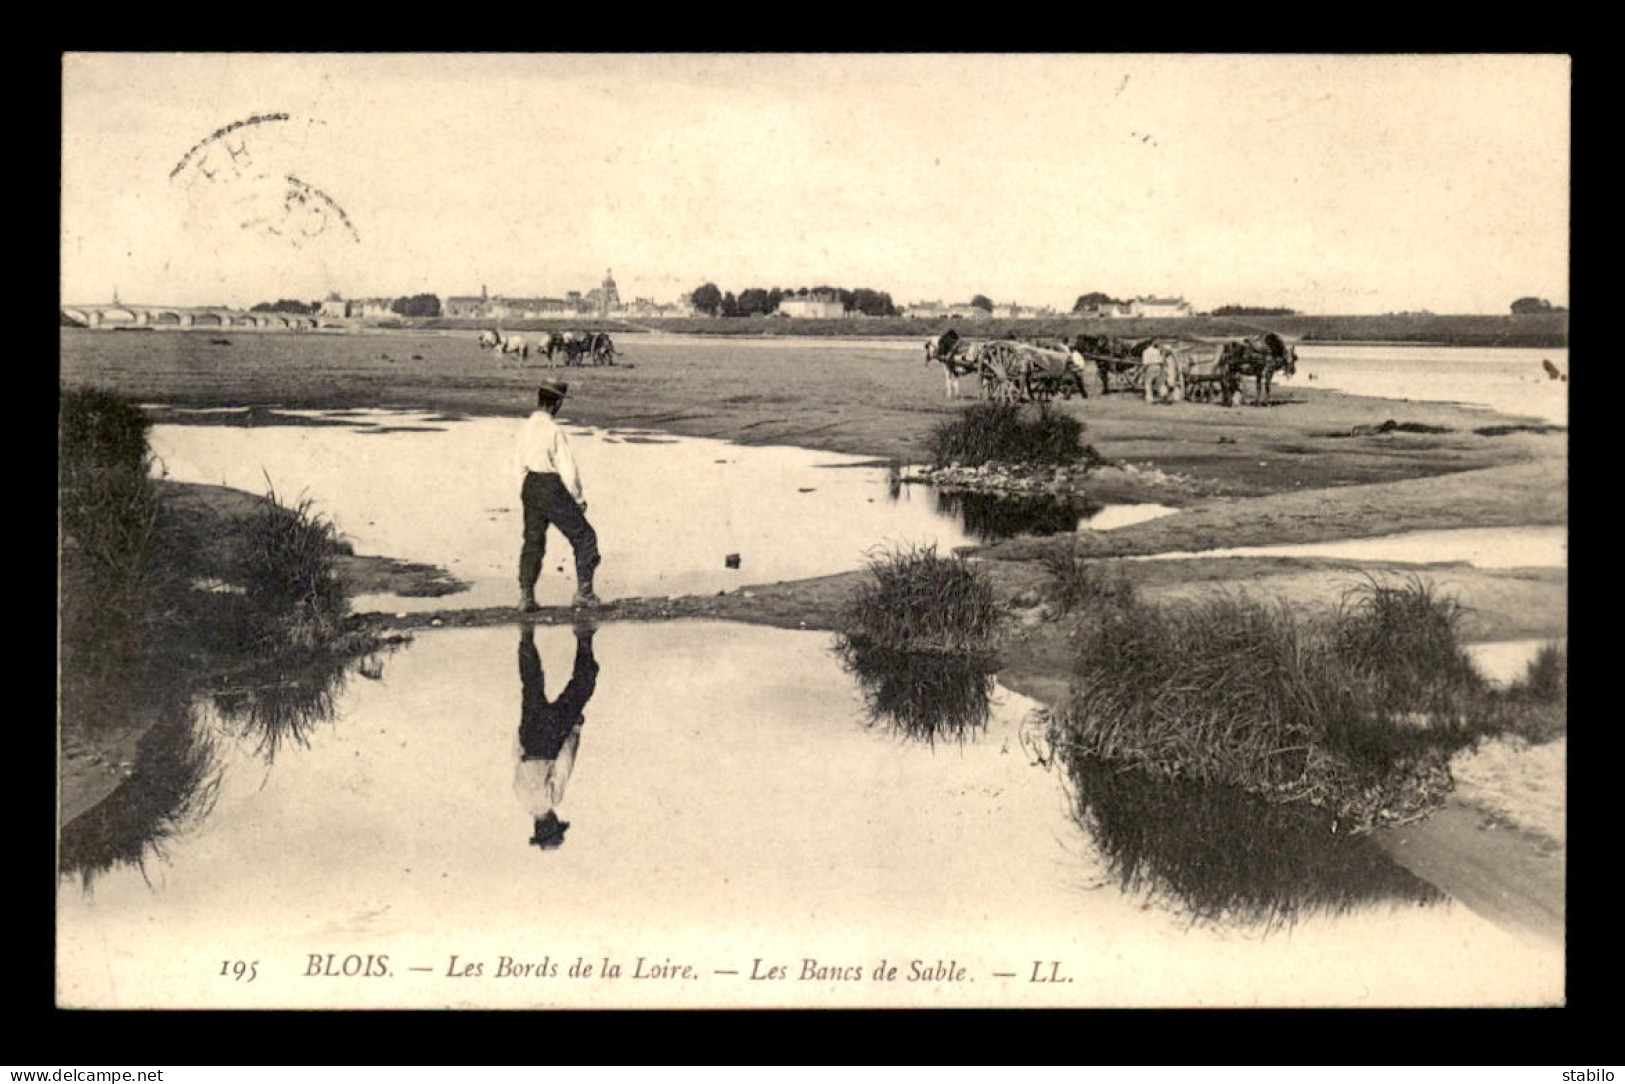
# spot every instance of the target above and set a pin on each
(241, 970)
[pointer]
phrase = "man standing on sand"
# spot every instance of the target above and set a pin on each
(551, 494)
(1156, 375)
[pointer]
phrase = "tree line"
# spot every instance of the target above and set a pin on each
(1088, 302)
(416, 305)
(759, 301)
(1253, 310)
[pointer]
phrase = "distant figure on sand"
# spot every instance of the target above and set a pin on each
(550, 733)
(1159, 383)
(550, 493)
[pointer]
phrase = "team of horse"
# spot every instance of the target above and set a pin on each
(577, 347)
(1200, 370)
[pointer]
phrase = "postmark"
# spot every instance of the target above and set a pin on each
(244, 174)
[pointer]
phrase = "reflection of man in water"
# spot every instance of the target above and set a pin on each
(549, 733)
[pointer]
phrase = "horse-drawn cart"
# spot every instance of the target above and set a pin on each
(1016, 372)
(582, 347)
(1119, 361)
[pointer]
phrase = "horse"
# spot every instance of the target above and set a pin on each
(1110, 355)
(955, 364)
(500, 343)
(1260, 357)
(602, 349)
(573, 343)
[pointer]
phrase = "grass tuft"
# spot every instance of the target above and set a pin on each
(289, 573)
(1078, 583)
(1005, 433)
(1536, 706)
(108, 505)
(1358, 715)
(919, 601)
(1546, 681)
(100, 430)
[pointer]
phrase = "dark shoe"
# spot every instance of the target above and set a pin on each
(527, 606)
(584, 599)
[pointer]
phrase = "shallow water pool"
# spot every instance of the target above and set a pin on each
(1481, 547)
(1503, 662)
(668, 510)
(1510, 380)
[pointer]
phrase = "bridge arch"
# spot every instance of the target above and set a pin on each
(165, 318)
(119, 317)
(208, 319)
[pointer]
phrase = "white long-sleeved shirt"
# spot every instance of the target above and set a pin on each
(540, 784)
(543, 449)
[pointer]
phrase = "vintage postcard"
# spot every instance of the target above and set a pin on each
(717, 531)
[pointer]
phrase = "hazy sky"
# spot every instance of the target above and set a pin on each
(1325, 183)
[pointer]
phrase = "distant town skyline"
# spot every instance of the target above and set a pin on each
(1332, 184)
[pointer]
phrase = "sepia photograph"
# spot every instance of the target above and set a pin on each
(812, 531)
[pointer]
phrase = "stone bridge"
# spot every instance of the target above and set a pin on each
(157, 316)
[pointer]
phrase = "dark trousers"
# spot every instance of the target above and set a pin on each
(546, 501)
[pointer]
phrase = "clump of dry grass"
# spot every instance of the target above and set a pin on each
(919, 601)
(108, 516)
(1078, 583)
(107, 503)
(1358, 715)
(918, 637)
(100, 430)
(1546, 681)
(1005, 433)
(289, 574)
(1536, 707)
